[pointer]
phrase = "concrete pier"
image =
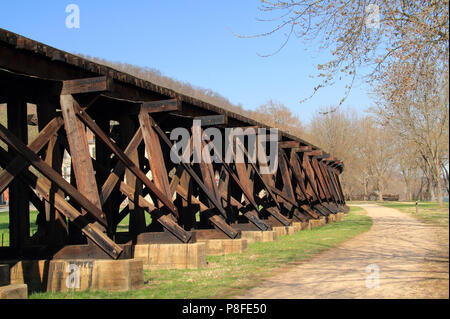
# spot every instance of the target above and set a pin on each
(77, 275)
(171, 256)
(258, 235)
(218, 247)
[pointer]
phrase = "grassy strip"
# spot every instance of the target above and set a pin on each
(4, 226)
(231, 275)
(428, 212)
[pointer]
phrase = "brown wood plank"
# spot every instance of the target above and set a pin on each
(210, 120)
(15, 144)
(19, 211)
(79, 151)
(190, 171)
(137, 214)
(163, 219)
(155, 156)
(125, 159)
(42, 187)
(55, 228)
(114, 176)
(285, 174)
(86, 85)
(288, 144)
(18, 164)
(161, 106)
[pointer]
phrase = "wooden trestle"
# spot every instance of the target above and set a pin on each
(130, 173)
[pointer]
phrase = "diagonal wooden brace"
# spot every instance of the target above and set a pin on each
(18, 164)
(15, 144)
(125, 159)
(92, 231)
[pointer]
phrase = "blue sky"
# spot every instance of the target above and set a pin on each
(190, 41)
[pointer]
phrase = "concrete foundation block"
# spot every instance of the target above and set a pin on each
(290, 230)
(313, 223)
(280, 230)
(171, 256)
(258, 235)
(109, 275)
(323, 221)
(331, 218)
(33, 273)
(297, 226)
(4, 275)
(306, 225)
(16, 291)
(66, 275)
(218, 247)
(340, 217)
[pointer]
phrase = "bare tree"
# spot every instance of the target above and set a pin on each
(361, 34)
(418, 112)
(277, 115)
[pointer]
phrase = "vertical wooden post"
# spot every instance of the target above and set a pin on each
(56, 222)
(19, 206)
(186, 207)
(137, 214)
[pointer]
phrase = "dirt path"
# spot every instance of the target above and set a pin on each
(412, 259)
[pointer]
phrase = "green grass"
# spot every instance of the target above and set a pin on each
(4, 226)
(429, 212)
(230, 275)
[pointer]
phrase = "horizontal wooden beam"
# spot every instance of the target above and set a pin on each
(86, 85)
(210, 120)
(315, 153)
(288, 144)
(302, 149)
(161, 106)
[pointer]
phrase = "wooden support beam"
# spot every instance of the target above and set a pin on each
(314, 153)
(155, 157)
(114, 176)
(210, 120)
(125, 159)
(189, 170)
(243, 183)
(257, 174)
(137, 222)
(164, 219)
(18, 163)
(79, 151)
(289, 144)
(19, 211)
(42, 187)
(161, 106)
(85, 85)
(285, 174)
(301, 149)
(15, 144)
(309, 174)
(55, 228)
